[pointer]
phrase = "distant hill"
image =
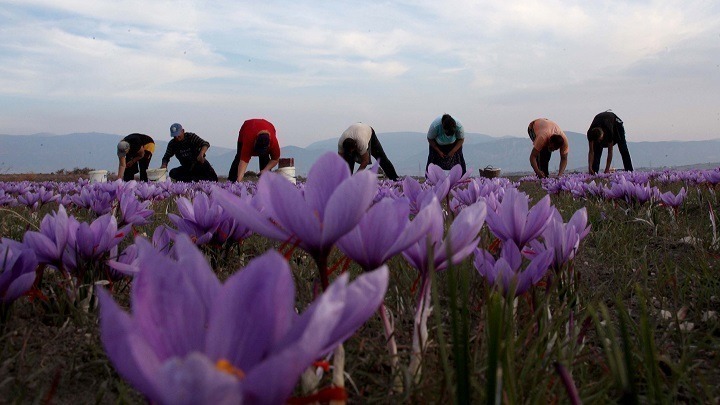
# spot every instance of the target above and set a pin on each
(44, 153)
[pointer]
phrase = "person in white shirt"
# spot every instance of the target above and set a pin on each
(358, 143)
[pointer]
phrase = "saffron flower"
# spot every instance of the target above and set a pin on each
(132, 211)
(190, 339)
(562, 239)
(332, 203)
(673, 200)
(506, 272)
(384, 231)
(512, 220)
(198, 218)
(17, 270)
(50, 242)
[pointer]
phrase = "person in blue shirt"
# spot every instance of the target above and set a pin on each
(446, 136)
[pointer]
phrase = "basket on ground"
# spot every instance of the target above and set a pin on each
(490, 172)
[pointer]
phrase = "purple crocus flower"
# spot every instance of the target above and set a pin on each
(462, 238)
(383, 232)
(199, 218)
(561, 239)
(673, 200)
(93, 240)
(50, 242)
(505, 271)
(436, 175)
(35, 199)
(513, 221)
(331, 205)
(420, 194)
(96, 200)
(132, 211)
(190, 339)
(17, 270)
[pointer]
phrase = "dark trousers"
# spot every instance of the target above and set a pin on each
(447, 162)
(376, 151)
(232, 174)
(194, 172)
(141, 166)
(624, 152)
(543, 161)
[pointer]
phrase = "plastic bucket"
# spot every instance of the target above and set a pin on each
(288, 173)
(158, 175)
(98, 176)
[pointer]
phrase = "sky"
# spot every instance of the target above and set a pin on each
(315, 67)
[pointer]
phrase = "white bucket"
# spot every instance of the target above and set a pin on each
(158, 175)
(98, 176)
(288, 173)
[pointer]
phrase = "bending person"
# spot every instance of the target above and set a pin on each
(190, 151)
(446, 137)
(605, 131)
(358, 143)
(547, 137)
(134, 154)
(257, 137)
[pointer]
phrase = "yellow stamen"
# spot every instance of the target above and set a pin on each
(225, 366)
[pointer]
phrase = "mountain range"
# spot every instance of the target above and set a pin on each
(44, 153)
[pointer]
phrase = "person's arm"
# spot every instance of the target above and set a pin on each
(242, 168)
(533, 162)
(169, 152)
(201, 155)
(364, 160)
(434, 145)
(121, 167)
(591, 156)
(609, 157)
(458, 145)
(563, 164)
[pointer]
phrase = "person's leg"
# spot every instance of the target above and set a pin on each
(544, 162)
(461, 159)
(625, 153)
(130, 172)
(350, 160)
(205, 171)
(144, 164)
(597, 156)
(232, 174)
(376, 150)
(180, 173)
(263, 159)
(432, 156)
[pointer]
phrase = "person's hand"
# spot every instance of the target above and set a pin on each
(201, 158)
(451, 154)
(442, 155)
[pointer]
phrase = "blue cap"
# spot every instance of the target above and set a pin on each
(175, 129)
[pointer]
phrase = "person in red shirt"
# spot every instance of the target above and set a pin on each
(257, 137)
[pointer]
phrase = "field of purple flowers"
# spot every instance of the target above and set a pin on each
(454, 288)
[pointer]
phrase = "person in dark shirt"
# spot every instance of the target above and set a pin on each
(190, 150)
(605, 131)
(134, 154)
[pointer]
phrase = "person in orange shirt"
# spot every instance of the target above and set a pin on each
(257, 137)
(547, 137)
